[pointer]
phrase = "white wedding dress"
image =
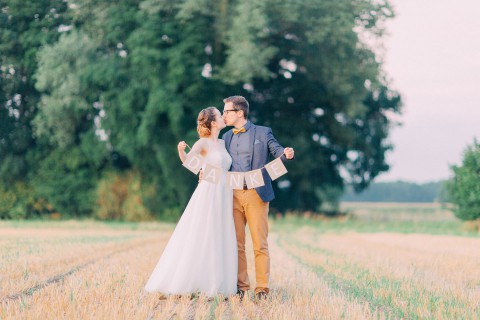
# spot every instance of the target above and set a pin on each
(201, 255)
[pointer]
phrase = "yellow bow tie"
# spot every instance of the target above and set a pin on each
(236, 131)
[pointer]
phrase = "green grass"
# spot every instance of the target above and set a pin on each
(361, 217)
(86, 224)
(351, 224)
(374, 218)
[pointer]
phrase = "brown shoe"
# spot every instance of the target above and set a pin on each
(261, 296)
(240, 294)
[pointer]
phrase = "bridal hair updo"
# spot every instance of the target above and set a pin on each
(204, 122)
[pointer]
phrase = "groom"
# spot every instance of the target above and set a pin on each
(250, 146)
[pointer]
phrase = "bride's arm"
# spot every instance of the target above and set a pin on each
(181, 150)
(199, 148)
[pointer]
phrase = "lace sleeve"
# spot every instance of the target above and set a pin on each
(200, 147)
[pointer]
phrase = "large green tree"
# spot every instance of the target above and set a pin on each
(25, 27)
(125, 84)
(69, 119)
(303, 67)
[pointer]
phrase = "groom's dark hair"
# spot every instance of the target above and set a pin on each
(239, 103)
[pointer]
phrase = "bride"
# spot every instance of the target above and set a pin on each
(201, 255)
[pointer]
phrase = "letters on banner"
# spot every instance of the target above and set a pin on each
(254, 179)
(211, 173)
(235, 180)
(193, 163)
(276, 169)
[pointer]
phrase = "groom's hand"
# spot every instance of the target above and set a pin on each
(289, 153)
(200, 175)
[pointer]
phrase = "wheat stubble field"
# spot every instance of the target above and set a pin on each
(381, 262)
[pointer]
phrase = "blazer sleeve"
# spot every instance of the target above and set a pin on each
(275, 149)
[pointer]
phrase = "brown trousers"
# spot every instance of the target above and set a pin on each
(248, 208)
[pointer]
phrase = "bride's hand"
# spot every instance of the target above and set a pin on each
(181, 146)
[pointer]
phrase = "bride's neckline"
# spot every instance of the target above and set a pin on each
(214, 141)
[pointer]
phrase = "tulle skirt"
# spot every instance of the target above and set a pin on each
(201, 255)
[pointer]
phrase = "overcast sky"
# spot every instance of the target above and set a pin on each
(433, 58)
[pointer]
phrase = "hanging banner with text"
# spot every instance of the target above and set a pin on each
(193, 163)
(211, 173)
(276, 169)
(236, 180)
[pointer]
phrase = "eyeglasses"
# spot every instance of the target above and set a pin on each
(227, 111)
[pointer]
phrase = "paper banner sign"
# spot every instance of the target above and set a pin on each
(235, 180)
(211, 173)
(254, 179)
(276, 169)
(193, 163)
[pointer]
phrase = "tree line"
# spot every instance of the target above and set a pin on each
(462, 190)
(400, 191)
(95, 95)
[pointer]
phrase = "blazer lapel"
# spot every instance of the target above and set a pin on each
(251, 133)
(228, 140)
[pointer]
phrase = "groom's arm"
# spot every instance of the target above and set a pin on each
(276, 150)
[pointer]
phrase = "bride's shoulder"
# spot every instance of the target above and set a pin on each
(201, 143)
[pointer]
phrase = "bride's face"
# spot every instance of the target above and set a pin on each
(219, 121)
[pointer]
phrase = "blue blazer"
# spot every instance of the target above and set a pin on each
(262, 145)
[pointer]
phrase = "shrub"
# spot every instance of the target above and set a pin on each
(119, 197)
(67, 181)
(8, 199)
(464, 188)
(19, 201)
